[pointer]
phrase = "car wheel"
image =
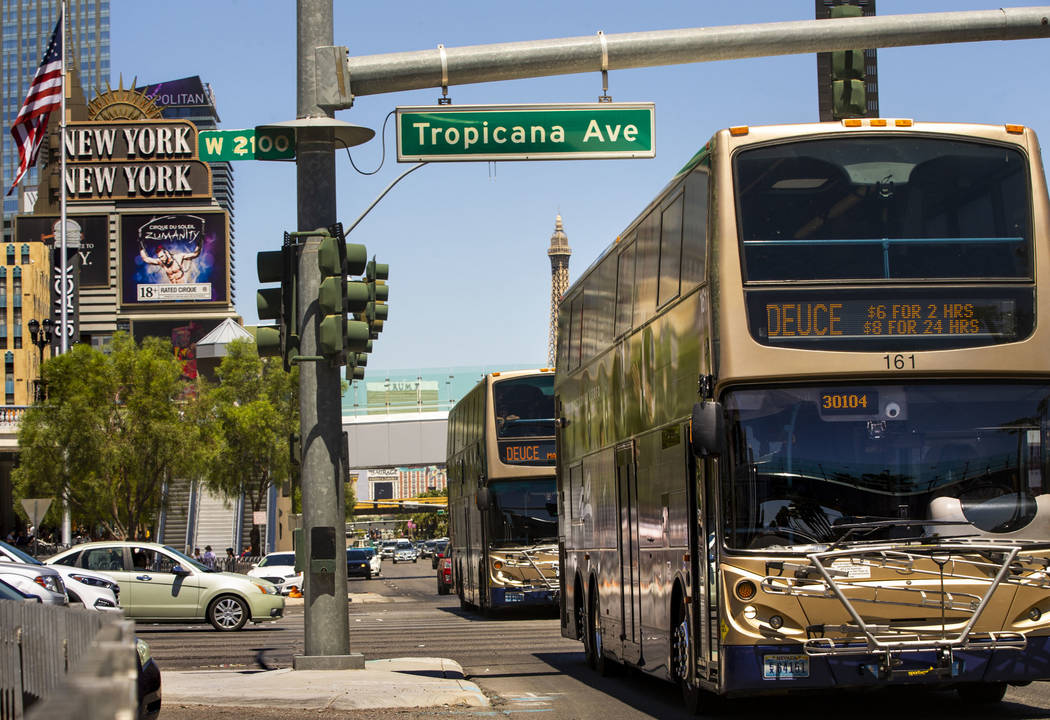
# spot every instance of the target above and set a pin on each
(227, 613)
(369, 575)
(413, 560)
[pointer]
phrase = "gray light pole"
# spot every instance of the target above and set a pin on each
(327, 629)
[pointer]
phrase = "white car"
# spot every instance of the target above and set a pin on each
(405, 551)
(377, 562)
(36, 580)
(94, 590)
(279, 568)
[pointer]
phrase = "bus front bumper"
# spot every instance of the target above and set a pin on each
(766, 668)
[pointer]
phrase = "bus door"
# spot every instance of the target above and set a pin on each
(627, 544)
(707, 576)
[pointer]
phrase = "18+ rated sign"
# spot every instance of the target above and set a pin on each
(584, 131)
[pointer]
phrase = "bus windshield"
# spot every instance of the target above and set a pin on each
(523, 512)
(805, 460)
(524, 406)
(900, 208)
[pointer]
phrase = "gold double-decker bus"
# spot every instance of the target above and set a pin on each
(802, 405)
(501, 492)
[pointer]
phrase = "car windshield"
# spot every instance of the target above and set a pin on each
(20, 555)
(806, 460)
(279, 559)
(356, 554)
(523, 512)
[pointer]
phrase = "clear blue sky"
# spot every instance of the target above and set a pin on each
(466, 242)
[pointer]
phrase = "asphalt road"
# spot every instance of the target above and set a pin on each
(520, 661)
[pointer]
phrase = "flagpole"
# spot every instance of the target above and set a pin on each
(67, 520)
(63, 325)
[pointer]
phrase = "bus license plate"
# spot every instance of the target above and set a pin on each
(779, 667)
(514, 597)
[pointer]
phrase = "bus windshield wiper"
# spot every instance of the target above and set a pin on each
(866, 527)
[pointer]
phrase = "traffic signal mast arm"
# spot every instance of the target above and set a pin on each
(340, 78)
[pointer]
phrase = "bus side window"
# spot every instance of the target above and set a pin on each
(625, 289)
(694, 231)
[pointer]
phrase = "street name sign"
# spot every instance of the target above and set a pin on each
(250, 144)
(583, 131)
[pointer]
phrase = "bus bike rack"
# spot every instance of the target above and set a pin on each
(886, 642)
(547, 582)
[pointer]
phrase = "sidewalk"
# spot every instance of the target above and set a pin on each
(394, 683)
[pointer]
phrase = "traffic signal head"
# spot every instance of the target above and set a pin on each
(377, 310)
(278, 303)
(848, 95)
(337, 295)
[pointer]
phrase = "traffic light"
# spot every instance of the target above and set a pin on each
(338, 295)
(278, 303)
(376, 311)
(848, 96)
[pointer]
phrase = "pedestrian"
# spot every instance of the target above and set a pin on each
(208, 558)
(197, 554)
(230, 560)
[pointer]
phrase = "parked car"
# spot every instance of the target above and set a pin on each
(279, 568)
(358, 563)
(43, 582)
(148, 684)
(10, 592)
(405, 551)
(160, 584)
(444, 576)
(441, 550)
(94, 591)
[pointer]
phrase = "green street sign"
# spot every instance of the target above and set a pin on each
(583, 131)
(271, 144)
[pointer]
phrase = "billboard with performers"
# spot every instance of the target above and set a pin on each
(174, 258)
(88, 238)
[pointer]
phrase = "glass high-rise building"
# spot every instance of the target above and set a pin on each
(27, 27)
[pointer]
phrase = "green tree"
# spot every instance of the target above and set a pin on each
(111, 432)
(430, 524)
(247, 419)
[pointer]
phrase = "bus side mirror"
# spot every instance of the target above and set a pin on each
(707, 428)
(483, 499)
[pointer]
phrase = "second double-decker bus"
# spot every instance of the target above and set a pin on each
(501, 492)
(803, 403)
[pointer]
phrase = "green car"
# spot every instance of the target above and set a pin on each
(160, 584)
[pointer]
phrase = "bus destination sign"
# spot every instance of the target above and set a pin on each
(519, 452)
(779, 320)
(580, 131)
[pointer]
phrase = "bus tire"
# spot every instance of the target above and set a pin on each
(683, 661)
(596, 647)
(579, 616)
(483, 592)
(985, 693)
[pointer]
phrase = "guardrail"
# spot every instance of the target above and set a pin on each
(45, 650)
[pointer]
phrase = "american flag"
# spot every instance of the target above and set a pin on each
(45, 95)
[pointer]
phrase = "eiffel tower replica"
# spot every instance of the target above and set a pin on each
(559, 253)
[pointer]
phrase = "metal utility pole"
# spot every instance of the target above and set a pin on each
(327, 629)
(393, 72)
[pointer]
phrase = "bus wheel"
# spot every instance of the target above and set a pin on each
(483, 592)
(682, 664)
(982, 693)
(596, 649)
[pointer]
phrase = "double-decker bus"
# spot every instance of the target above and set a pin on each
(802, 406)
(501, 492)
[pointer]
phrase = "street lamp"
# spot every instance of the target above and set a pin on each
(40, 333)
